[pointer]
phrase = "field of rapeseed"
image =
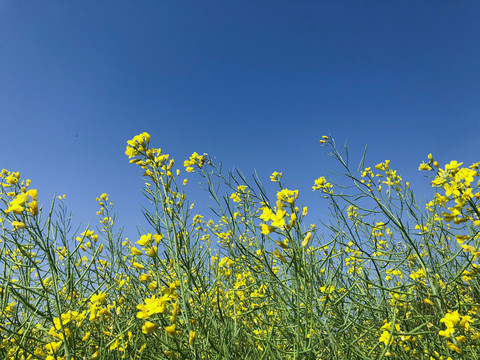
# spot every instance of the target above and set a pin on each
(385, 278)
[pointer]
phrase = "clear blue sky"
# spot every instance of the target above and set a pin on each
(254, 83)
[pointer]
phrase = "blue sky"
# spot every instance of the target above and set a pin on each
(253, 83)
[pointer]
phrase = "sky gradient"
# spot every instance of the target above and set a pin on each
(253, 83)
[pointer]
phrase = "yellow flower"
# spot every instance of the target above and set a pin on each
(137, 265)
(424, 166)
(276, 176)
(53, 347)
(454, 347)
(319, 183)
(149, 327)
(135, 251)
(384, 337)
(100, 298)
(131, 152)
(322, 184)
(157, 238)
(191, 338)
(267, 214)
(15, 207)
(235, 197)
(279, 219)
(453, 166)
(139, 140)
(288, 196)
(152, 252)
(18, 225)
(33, 208)
(12, 178)
(195, 159)
(152, 306)
(428, 301)
(451, 319)
(145, 240)
(114, 345)
(304, 211)
(447, 332)
(451, 189)
(145, 277)
(266, 229)
(171, 329)
(417, 274)
(307, 239)
(466, 320)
